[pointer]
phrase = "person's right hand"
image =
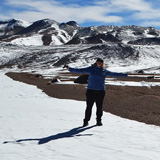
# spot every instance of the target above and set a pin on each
(66, 66)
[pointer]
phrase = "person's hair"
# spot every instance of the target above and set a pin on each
(99, 60)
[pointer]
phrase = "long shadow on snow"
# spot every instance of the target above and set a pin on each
(71, 133)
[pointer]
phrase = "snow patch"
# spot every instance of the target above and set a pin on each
(35, 40)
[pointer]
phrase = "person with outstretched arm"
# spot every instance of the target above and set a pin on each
(96, 88)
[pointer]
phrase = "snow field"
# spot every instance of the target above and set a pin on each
(35, 126)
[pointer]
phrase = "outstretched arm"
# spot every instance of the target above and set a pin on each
(79, 70)
(115, 74)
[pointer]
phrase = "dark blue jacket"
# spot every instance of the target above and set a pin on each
(97, 76)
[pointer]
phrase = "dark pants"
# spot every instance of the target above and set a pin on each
(96, 96)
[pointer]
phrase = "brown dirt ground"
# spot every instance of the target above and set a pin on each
(137, 103)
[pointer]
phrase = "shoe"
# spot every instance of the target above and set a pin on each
(85, 123)
(99, 123)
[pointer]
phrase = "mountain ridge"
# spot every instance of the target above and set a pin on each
(15, 31)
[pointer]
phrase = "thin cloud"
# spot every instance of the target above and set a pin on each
(151, 23)
(121, 12)
(132, 5)
(60, 12)
(148, 15)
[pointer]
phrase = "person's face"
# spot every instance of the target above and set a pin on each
(99, 64)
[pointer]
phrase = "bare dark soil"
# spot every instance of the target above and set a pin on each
(137, 103)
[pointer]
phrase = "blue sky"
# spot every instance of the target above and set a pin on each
(85, 13)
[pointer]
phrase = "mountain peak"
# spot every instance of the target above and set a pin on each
(38, 25)
(15, 21)
(46, 21)
(12, 26)
(73, 23)
(9, 21)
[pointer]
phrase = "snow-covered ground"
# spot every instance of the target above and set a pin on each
(28, 41)
(35, 126)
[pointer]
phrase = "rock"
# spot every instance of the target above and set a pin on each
(75, 40)
(47, 39)
(83, 79)
(146, 41)
(150, 77)
(38, 75)
(53, 81)
(140, 71)
(100, 38)
(94, 39)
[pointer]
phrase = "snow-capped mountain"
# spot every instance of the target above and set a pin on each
(12, 27)
(42, 32)
(35, 27)
(51, 44)
(50, 32)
